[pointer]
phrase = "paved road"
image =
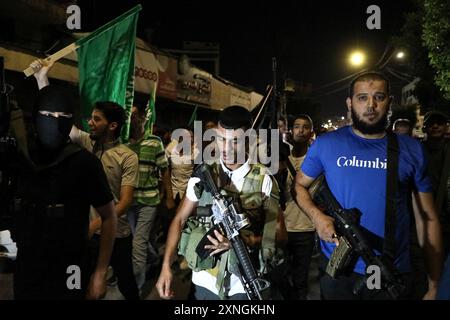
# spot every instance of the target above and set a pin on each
(181, 286)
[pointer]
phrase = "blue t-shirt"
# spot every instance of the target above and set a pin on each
(355, 169)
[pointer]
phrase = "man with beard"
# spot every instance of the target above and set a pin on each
(353, 160)
(121, 168)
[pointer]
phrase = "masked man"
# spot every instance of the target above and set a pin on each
(59, 182)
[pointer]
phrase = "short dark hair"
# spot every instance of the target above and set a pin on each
(434, 116)
(370, 75)
(406, 112)
(402, 122)
(113, 112)
(305, 117)
(235, 117)
(141, 108)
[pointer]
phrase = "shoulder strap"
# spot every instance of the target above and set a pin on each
(291, 168)
(389, 247)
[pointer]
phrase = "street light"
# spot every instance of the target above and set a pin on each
(400, 55)
(357, 58)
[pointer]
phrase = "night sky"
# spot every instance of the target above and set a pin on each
(311, 39)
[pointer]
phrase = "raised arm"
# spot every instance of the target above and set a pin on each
(41, 74)
(324, 223)
(430, 239)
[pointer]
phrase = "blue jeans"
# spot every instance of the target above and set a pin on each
(142, 220)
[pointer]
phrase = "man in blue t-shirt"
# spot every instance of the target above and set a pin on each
(354, 162)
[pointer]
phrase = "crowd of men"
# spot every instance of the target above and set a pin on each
(89, 200)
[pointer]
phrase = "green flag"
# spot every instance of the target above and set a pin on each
(193, 117)
(106, 65)
(151, 110)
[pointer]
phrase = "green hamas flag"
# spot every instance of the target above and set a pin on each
(193, 117)
(106, 65)
(151, 111)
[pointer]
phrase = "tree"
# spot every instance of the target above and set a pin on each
(418, 64)
(436, 38)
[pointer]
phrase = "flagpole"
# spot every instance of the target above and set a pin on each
(53, 58)
(262, 105)
(74, 46)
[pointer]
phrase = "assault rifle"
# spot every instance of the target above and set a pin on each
(230, 221)
(353, 242)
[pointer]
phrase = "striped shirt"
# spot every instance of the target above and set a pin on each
(150, 151)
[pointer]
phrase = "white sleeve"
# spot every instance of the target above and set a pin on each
(190, 193)
(267, 185)
(75, 134)
(81, 138)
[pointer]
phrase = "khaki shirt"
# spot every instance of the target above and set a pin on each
(295, 219)
(121, 168)
(181, 168)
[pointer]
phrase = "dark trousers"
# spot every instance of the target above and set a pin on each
(342, 287)
(121, 262)
(300, 248)
(166, 216)
(44, 274)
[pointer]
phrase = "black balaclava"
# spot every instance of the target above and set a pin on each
(53, 133)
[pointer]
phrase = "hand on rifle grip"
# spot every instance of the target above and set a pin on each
(325, 228)
(218, 244)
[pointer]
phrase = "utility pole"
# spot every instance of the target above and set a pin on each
(273, 112)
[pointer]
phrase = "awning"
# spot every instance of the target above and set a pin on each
(176, 79)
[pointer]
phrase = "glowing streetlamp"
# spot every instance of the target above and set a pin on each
(357, 58)
(400, 55)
